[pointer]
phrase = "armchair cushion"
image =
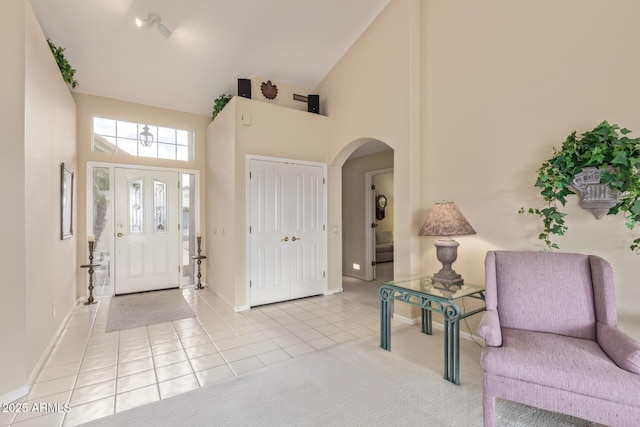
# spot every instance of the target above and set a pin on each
(572, 364)
(535, 289)
(489, 329)
(621, 348)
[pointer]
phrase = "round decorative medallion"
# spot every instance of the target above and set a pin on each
(269, 90)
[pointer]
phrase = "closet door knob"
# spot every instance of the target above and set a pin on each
(285, 239)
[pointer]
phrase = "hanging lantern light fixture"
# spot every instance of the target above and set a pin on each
(146, 137)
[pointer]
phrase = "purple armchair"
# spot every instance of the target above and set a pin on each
(551, 339)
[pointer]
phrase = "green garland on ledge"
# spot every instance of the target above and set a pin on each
(219, 104)
(66, 69)
(606, 147)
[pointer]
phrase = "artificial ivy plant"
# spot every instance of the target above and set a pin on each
(219, 104)
(607, 147)
(65, 68)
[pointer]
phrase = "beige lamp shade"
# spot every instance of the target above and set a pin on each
(445, 219)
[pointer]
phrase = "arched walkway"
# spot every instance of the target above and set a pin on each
(358, 164)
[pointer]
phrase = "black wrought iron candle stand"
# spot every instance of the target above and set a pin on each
(199, 259)
(90, 266)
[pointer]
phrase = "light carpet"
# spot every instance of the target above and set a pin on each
(352, 384)
(147, 308)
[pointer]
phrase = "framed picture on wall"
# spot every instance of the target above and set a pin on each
(66, 202)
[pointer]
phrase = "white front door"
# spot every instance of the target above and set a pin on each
(146, 227)
(287, 235)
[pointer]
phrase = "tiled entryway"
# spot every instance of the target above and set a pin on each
(99, 373)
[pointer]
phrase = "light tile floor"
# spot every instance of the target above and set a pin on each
(98, 373)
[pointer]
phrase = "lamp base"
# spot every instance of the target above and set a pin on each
(448, 278)
(447, 253)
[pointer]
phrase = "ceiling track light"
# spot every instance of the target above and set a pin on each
(153, 20)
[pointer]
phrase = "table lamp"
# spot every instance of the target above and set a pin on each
(445, 220)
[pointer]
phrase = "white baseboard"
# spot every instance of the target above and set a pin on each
(405, 320)
(356, 276)
(226, 302)
(47, 351)
(239, 308)
(436, 325)
(333, 291)
(14, 395)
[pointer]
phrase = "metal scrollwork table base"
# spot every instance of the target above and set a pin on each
(430, 297)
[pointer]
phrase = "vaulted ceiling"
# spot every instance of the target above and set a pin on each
(213, 43)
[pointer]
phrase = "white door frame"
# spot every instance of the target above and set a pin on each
(248, 159)
(369, 218)
(89, 201)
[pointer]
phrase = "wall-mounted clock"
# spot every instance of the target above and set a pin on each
(381, 203)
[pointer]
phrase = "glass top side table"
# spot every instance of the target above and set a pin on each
(431, 297)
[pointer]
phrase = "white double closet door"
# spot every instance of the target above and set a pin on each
(287, 216)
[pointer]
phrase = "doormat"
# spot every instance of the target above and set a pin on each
(148, 308)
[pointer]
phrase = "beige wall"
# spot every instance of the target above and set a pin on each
(285, 93)
(13, 363)
(373, 93)
(353, 209)
(38, 126)
(50, 139)
(472, 96)
(505, 82)
(89, 106)
(273, 131)
(221, 239)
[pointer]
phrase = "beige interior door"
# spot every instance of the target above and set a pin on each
(147, 244)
